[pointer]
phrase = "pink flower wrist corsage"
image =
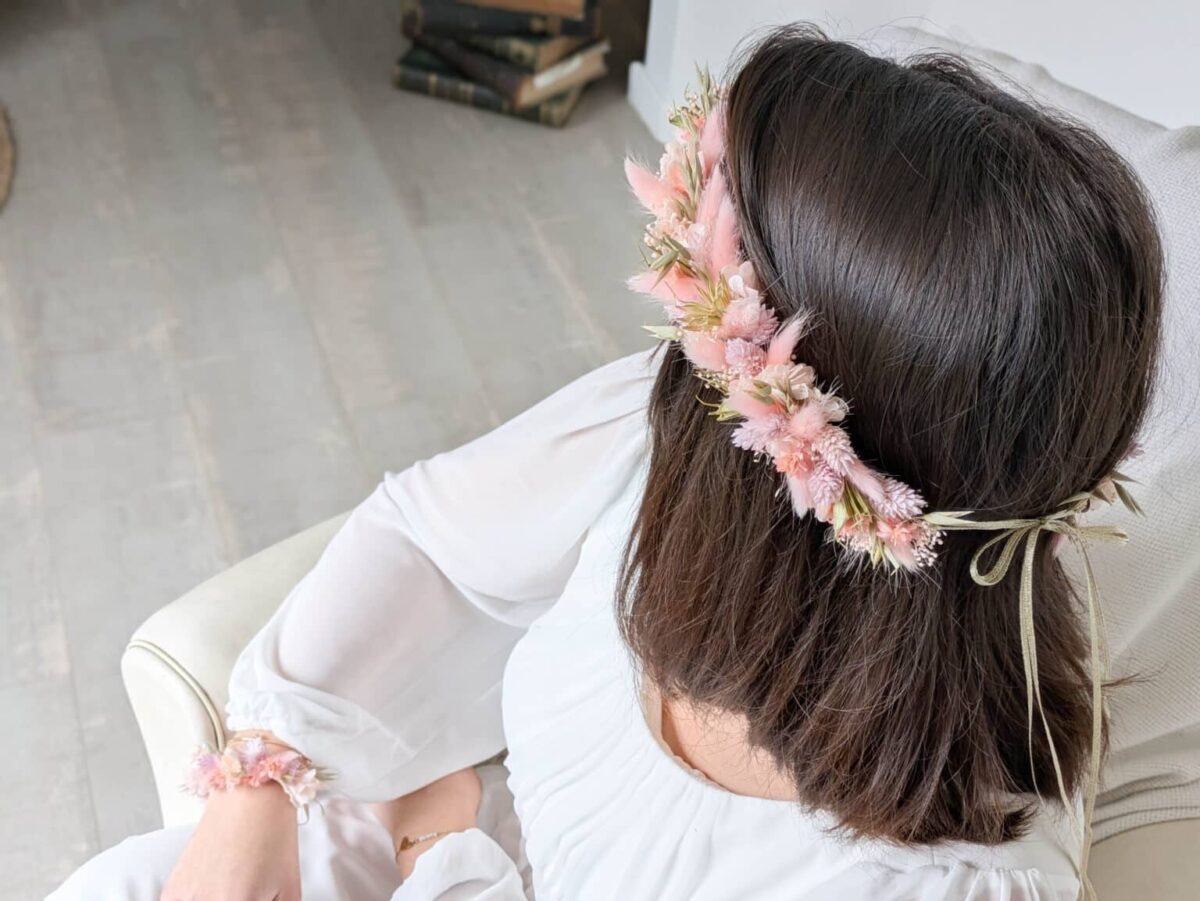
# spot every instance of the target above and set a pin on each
(250, 763)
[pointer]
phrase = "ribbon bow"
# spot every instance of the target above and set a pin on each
(1012, 532)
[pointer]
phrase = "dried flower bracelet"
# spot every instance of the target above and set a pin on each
(250, 762)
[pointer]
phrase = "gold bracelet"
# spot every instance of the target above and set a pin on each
(406, 843)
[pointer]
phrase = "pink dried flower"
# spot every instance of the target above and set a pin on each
(712, 139)
(741, 318)
(742, 279)
(783, 345)
(826, 486)
(833, 446)
(912, 542)
(798, 492)
(808, 421)
(834, 408)
(249, 762)
(724, 245)
(786, 383)
(796, 462)
(900, 501)
(858, 532)
(756, 434)
(671, 166)
(743, 359)
(866, 481)
(768, 324)
(704, 351)
(651, 192)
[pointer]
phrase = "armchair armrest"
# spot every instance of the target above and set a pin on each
(177, 665)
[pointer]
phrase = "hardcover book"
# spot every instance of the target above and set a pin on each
(423, 72)
(571, 9)
(530, 52)
(446, 18)
(523, 88)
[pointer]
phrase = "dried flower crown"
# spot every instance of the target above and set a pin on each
(735, 340)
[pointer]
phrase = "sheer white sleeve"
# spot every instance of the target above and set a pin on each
(384, 664)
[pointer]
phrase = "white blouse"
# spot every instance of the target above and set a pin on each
(468, 606)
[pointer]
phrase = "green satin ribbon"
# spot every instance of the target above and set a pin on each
(1014, 532)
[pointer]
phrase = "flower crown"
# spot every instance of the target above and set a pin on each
(738, 346)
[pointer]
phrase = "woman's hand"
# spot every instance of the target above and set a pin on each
(449, 805)
(244, 849)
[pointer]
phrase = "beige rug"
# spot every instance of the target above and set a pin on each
(8, 157)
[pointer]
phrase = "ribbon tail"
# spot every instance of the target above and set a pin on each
(1098, 652)
(1033, 687)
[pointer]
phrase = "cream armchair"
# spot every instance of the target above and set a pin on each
(177, 665)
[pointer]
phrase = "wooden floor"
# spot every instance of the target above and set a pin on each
(240, 277)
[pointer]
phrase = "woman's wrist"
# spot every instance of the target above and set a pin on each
(262, 802)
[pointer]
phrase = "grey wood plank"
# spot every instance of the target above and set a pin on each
(33, 644)
(33, 640)
(269, 423)
(46, 822)
(385, 330)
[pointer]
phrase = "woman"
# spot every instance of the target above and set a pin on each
(760, 654)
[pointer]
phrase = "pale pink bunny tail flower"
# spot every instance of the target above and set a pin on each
(783, 345)
(710, 203)
(650, 191)
(798, 490)
(807, 422)
(670, 287)
(704, 351)
(724, 246)
(712, 140)
(751, 407)
(862, 478)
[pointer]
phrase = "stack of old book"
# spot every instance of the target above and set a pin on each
(526, 58)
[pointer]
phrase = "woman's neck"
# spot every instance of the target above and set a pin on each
(717, 744)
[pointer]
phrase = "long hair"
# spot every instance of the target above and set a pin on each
(986, 280)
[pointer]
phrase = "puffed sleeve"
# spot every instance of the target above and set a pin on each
(384, 664)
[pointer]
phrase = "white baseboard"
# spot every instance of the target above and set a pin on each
(648, 101)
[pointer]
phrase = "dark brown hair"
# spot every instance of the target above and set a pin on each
(986, 277)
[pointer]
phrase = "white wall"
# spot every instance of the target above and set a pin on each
(1143, 55)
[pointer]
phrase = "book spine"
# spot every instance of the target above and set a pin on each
(555, 111)
(510, 48)
(449, 19)
(449, 87)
